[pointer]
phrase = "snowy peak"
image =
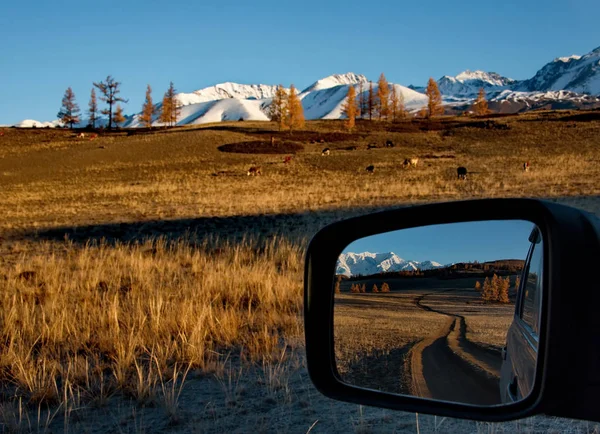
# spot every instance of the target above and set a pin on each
(575, 73)
(367, 263)
(226, 91)
(467, 83)
(336, 80)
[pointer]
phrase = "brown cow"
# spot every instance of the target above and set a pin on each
(254, 171)
(370, 169)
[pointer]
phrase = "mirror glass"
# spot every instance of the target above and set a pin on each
(446, 312)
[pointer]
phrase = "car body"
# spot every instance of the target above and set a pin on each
(519, 356)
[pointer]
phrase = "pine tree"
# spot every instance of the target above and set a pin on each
(93, 109)
(397, 110)
(363, 288)
(361, 100)
(148, 109)
(278, 108)
(69, 111)
(118, 117)
(374, 289)
(349, 108)
(385, 287)
(478, 286)
(110, 90)
(480, 107)
(370, 101)
(383, 95)
(434, 105)
(517, 283)
(295, 111)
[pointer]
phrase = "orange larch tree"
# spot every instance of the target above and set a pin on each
(383, 94)
(434, 105)
(480, 107)
(148, 109)
(295, 111)
(350, 108)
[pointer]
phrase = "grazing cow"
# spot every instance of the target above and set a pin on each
(408, 162)
(254, 171)
(325, 152)
(370, 169)
(93, 136)
(321, 140)
(81, 135)
(371, 146)
(462, 173)
(526, 166)
(287, 159)
(389, 144)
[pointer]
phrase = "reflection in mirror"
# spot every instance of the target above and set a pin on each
(447, 312)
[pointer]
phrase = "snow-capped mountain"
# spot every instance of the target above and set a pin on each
(575, 73)
(366, 263)
(467, 83)
(231, 102)
(336, 80)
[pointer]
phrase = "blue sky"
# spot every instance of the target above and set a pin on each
(456, 242)
(49, 46)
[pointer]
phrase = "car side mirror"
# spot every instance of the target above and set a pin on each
(472, 309)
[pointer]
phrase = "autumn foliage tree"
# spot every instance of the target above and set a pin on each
(148, 109)
(110, 90)
(118, 117)
(434, 105)
(171, 109)
(397, 110)
(278, 108)
(69, 110)
(350, 108)
(496, 289)
(295, 111)
(383, 95)
(480, 107)
(93, 109)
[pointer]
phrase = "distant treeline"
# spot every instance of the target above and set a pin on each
(460, 270)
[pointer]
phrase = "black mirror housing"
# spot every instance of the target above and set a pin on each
(567, 383)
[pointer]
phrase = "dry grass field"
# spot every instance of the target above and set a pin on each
(148, 284)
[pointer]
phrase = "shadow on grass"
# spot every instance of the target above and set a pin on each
(259, 228)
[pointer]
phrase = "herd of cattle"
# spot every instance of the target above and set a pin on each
(461, 171)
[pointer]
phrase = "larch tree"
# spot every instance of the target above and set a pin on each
(69, 110)
(361, 100)
(278, 108)
(173, 105)
(383, 95)
(93, 109)
(350, 108)
(118, 117)
(397, 110)
(164, 116)
(148, 109)
(434, 105)
(110, 90)
(480, 107)
(295, 111)
(370, 101)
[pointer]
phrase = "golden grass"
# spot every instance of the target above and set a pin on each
(128, 316)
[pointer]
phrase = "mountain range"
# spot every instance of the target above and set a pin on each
(566, 82)
(366, 263)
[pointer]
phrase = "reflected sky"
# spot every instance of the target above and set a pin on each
(454, 242)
